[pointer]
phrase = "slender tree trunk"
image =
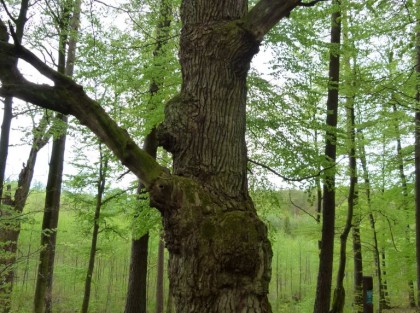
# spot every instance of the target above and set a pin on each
(137, 281)
(417, 148)
(103, 169)
(43, 289)
(403, 180)
(339, 292)
(159, 277)
(383, 302)
(4, 139)
(323, 290)
(8, 101)
(136, 296)
(9, 235)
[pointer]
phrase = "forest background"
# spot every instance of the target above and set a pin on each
(125, 47)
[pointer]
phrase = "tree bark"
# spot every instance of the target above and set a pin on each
(159, 276)
(220, 256)
(8, 101)
(137, 280)
(323, 290)
(100, 187)
(44, 282)
(9, 235)
(339, 292)
(417, 149)
(383, 302)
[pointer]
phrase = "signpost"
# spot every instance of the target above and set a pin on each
(367, 294)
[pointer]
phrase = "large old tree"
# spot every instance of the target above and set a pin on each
(220, 256)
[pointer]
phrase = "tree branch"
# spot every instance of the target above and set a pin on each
(310, 3)
(265, 14)
(67, 97)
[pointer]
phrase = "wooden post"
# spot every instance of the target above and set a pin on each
(367, 294)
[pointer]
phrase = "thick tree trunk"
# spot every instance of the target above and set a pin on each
(219, 252)
(220, 256)
(323, 290)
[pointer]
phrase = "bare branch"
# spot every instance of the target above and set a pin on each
(288, 178)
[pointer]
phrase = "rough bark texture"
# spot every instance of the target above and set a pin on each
(220, 256)
(323, 290)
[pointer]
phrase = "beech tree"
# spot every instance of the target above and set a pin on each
(219, 254)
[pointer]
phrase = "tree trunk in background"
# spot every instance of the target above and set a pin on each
(137, 278)
(159, 278)
(383, 302)
(403, 179)
(417, 149)
(100, 187)
(136, 296)
(4, 139)
(8, 101)
(339, 292)
(323, 290)
(7, 232)
(43, 289)
(10, 232)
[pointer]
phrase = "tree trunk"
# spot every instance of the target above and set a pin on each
(9, 235)
(136, 300)
(43, 288)
(159, 277)
(219, 253)
(383, 303)
(417, 149)
(323, 290)
(339, 292)
(8, 101)
(137, 279)
(103, 169)
(403, 180)
(43, 291)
